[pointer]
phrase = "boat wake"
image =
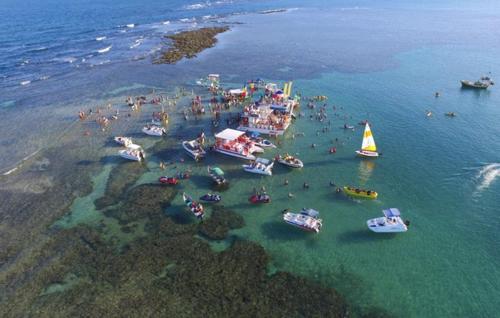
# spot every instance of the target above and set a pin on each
(487, 175)
(100, 38)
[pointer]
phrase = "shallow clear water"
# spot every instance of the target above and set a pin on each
(377, 63)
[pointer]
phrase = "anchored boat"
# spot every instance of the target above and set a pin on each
(229, 142)
(289, 161)
(194, 149)
(306, 219)
(483, 83)
(209, 197)
(217, 175)
(194, 207)
(260, 198)
(391, 222)
(153, 130)
(260, 166)
(124, 141)
(133, 152)
(360, 193)
(368, 147)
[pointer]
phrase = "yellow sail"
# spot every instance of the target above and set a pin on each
(285, 89)
(289, 91)
(368, 141)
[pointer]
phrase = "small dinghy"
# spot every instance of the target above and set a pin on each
(209, 197)
(306, 219)
(194, 149)
(195, 207)
(290, 161)
(124, 141)
(260, 166)
(217, 175)
(391, 222)
(154, 130)
(360, 193)
(168, 180)
(133, 152)
(260, 198)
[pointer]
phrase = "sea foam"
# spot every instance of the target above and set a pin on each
(487, 175)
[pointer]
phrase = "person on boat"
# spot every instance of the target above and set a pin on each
(290, 194)
(332, 184)
(338, 190)
(286, 182)
(305, 185)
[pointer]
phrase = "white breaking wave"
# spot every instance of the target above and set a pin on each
(100, 38)
(106, 49)
(23, 83)
(166, 22)
(130, 25)
(487, 175)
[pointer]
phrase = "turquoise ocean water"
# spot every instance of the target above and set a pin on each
(377, 62)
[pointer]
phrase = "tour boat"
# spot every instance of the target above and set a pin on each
(195, 207)
(306, 220)
(194, 149)
(217, 175)
(124, 141)
(133, 152)
(290, 161)
(168, 180)
(154, 130)
(260, 198)
(391, 222)
(260, 166)
(483, 83)
(228, 142)
(209, 197)
(368, 147)
(360, 193)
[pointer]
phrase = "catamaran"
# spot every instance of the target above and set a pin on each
(391, 222)
(368, 147)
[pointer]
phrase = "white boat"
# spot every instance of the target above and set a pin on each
(154, 130)
(255, 149)
(368, 147)
(124, 141)
(260, 166)
(264, 143)
(230, 142)
(290, 161)
(194, 149)
(133, 152)
(391, 222)
(307, 220)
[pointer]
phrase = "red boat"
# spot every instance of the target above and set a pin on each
(260, 198)
(168, 180)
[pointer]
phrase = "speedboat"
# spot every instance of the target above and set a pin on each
(169, 180)
(195, 207)
(260, 166)
(391, 222)
(260, 198)
(368, 147)
(209, 197)
(306, 219)
(124, 141)
(133, 152)
(360, 193)
(290, 161)
(217, 175)
(194, 149)
(154, 130)
(264, 143)
(483, 83)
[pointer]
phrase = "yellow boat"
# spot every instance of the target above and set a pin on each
(360, 193)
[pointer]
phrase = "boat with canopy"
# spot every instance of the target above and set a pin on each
(391, 222)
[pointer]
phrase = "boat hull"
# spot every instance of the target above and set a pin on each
(304, 228)
(196, 155)
(362, 195)
(367, 154)
(124, 154)
(374, 226)
(291, 165)
(248, 168)
(469, 84)
(234, 154)
(270, 132)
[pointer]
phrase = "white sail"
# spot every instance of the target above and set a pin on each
(368, 141)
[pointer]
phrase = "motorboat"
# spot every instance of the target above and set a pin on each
(368, 147)
(217, 175)
(391, 222)
(195, 207)
(168, 180)
(260, 198)
(232, 143)
(133, 152)
(261, 142)
(306, 219)
(194, 149)
(483, 83)
(154, 130)
(360, 193)
(124, 141)
(210, 197)
(260, 166)
(289, 161)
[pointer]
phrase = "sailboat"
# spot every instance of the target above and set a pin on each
(368, 147)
